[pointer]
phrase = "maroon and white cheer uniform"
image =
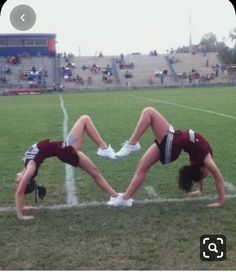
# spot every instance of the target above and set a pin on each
(44, 149)
(188, 141)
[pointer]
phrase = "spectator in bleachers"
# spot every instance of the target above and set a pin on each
(153, 53)
(162, 78)
(128, 74)
(124, 65)
(54, 87)
(13, 60)
(150, 80)
(3, 80)
(84, 67)
(184, 75)
(107, 70)
(190, 78)
(67, 73)
(100, 55)
(104, 78)
(216, 69)
(68, 58)
(95, 69)
(21, 75)
(61, 88)
(71, 65)
(158, 73)
(33, 69)
(89, 80)
(6, 70)
(79, 79)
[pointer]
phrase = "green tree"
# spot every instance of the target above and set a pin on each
(232, 36)
(209, 42)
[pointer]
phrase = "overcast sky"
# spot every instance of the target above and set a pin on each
(126, 26)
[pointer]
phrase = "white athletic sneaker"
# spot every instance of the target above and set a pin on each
(119, 201)
(127, 149)
(107, 153)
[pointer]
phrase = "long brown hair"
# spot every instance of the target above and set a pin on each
(187, 175)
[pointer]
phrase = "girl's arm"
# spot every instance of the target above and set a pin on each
(219, 181)
(20, 191)
(199, 191)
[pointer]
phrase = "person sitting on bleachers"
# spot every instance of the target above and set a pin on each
(6, 70)
(13, 60)
(153, 53)
(89, 80)
(95, 69)
(22, 75)
(104, 78)
(3, 80)
(107, 70)
(124, 65)
(84, 67)
(67, 74)
(71, 65)
(33, 69)
(128, 74)
(150, 80)
(79, 79)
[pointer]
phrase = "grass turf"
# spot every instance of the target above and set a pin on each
(155, 236)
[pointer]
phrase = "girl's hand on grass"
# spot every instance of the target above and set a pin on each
(215, 205)
(195, 193)
(26, 217)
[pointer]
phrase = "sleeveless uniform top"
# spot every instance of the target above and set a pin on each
(46, 149)
(188, 141)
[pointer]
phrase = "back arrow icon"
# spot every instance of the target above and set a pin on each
(22, 18)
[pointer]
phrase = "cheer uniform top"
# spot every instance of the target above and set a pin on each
(44, 149)
(188, 141)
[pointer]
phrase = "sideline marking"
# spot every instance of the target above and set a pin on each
(72, 199)
(136, 202)
(184, 106)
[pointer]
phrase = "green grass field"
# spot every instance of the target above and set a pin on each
(154, 236)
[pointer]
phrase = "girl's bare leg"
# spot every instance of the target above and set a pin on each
(87, 165)
(85, 124)
(150, 118)
(151, 156)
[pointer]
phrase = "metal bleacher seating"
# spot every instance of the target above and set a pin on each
(145, 72)
(47, 65)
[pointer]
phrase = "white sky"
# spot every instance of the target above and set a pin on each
(125, 26)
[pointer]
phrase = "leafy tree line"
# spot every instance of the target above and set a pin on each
(209, 43)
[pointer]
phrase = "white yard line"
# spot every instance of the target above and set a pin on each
(136, 202)
(72, 199)
(186, 107)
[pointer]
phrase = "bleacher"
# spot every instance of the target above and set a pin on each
(46, 64)
(203, 63)
(145, 71)
(97, 78)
